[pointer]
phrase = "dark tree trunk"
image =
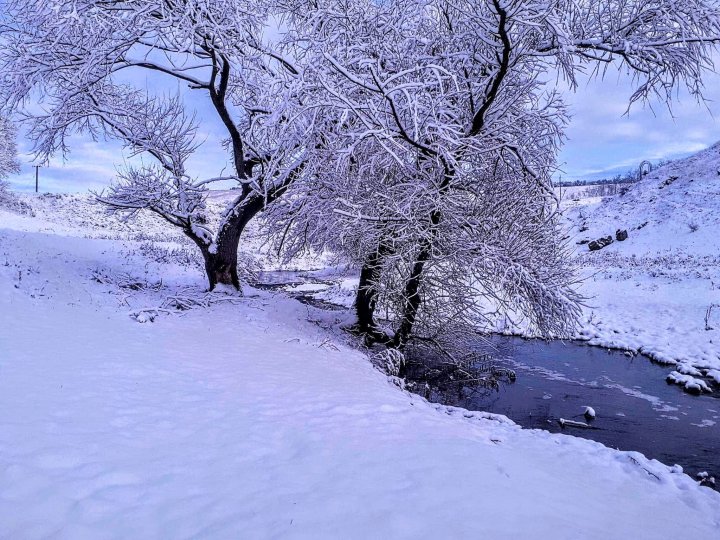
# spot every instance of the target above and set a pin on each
(367, 293)
(411, 304)
(411, 296)
(221, 267)
(221, 264)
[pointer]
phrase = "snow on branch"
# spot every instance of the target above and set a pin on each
(9, 163)
(662, 43)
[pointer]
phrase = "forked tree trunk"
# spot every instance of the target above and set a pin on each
(366, 298)
(221, 260)
(367, 295)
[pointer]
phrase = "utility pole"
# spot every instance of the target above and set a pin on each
(37, 174)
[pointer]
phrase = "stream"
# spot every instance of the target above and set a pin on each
(635, 408)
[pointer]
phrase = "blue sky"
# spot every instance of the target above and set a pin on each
(601, 139)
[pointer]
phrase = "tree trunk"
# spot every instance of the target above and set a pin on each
(411, 296)
(221, 259)
(221, 262)
(221, 266)
(366, 298)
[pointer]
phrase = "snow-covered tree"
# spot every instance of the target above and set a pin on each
(9, 163)
(440, 180)
(417, 137)
(73, 66)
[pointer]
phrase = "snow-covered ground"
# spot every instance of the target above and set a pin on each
(245, 417)
(651, 293)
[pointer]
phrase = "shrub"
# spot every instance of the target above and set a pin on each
(10, 201)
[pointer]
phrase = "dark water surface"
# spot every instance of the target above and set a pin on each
(636, 409)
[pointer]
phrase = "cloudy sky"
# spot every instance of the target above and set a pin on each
(602, 139)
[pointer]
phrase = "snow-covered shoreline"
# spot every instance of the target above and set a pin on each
(647, 295)
(651, 293)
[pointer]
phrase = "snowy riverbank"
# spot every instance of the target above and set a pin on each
(243, 418)
(658, 292)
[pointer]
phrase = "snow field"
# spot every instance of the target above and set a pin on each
(245, 420)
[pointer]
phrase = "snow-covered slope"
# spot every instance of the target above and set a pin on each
(242, 419)
(652, 292)
(674, 208)
(81, 215)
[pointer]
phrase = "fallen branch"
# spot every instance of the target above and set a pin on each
(574, 423)
(184, 300)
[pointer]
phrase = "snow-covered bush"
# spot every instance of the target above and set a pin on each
(10, 201)
(180, 255)
(9, 163)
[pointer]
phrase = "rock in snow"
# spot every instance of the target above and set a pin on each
(689, 383)
(704, 479)
(572, 423)
(600, 243)
(714, 374)
(589, 413)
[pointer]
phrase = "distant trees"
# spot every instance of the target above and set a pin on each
(626, 178)
(416, 139)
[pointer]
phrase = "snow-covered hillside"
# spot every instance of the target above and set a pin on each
(80, 215)
(675, 208)
(241, 418)
(658, 291)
